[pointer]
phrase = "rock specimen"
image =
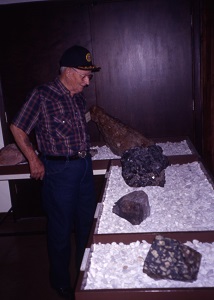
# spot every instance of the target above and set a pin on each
(93, 152)
(144, 166)
(134, 207)
(11, 155)
(117, 136)
(170, 259)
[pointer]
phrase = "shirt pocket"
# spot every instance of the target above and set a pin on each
(63, 126)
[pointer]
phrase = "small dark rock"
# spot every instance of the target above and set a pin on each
(144, 166)
(134, 207)
(170, 259)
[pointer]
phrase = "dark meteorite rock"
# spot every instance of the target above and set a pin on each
(134, 207)
(117, 136)
(170, 259)
(144, 166)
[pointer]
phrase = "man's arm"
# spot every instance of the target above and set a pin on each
(37, 169)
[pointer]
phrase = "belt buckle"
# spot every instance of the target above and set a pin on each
(82, 154)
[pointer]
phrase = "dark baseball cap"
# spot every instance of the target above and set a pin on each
(78, 57)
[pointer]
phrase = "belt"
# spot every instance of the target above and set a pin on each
(79, 154)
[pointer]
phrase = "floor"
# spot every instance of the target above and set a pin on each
(24, 260)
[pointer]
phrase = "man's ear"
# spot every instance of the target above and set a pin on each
(68, 72)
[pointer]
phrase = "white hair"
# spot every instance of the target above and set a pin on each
(62, 69)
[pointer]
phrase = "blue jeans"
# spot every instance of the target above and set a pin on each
(69, 200)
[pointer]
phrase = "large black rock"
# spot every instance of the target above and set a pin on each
(170, 259)
(144, 166)
(134, 207)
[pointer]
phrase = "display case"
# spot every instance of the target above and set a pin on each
(200, 232)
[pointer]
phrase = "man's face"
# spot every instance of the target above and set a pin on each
(79, 79)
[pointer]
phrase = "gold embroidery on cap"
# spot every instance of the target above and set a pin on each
(88, 57)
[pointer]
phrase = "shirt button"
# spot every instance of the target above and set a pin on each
(63, 121)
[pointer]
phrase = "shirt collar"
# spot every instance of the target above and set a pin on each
(61, 86)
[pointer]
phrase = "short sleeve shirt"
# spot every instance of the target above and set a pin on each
(57, 117)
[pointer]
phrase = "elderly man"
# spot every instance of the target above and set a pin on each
(56, 111)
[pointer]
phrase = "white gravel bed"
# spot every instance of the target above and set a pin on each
(185, 203)
(103, 153)
(169, 148)
(119, 266)
(176, 148)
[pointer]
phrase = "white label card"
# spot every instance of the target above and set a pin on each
(88, 116)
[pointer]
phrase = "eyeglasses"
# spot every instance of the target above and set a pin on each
(90, 76)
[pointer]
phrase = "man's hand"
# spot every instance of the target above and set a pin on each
(37, 170)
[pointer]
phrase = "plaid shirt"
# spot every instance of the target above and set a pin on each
(58, 119)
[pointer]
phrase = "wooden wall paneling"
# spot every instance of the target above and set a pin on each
(31, 47)
(144, 48)
(196, 74)
(208, 83)
(36, 36)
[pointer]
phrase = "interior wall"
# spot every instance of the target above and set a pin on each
(207, 82)
(146, 55)
(143, 47)
(33, 44)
